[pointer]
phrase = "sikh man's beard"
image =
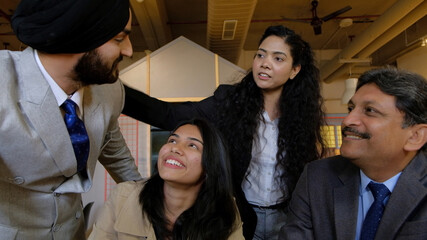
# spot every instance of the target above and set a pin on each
(90, 69)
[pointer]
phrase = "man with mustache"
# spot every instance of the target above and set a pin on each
(377, 188)
(59, 110)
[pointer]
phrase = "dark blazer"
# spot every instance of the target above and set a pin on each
(167, 115)
(324, 204)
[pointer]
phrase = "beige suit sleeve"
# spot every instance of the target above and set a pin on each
(237, 234)
(103, 228)
(115, 155)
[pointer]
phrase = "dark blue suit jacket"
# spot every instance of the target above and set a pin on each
(324, 204)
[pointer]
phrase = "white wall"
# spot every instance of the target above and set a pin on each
(180, 69)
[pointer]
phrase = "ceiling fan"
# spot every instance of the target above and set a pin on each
(315, 21)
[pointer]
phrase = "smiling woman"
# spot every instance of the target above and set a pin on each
(180, 158)
(189, 197)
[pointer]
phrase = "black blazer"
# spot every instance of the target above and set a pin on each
(167, 115)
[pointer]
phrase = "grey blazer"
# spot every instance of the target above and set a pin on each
(39, 188)
(324, 204)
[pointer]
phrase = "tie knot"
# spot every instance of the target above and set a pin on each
(379, 191)
(69, 107)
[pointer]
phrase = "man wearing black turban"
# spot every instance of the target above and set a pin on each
(74, 47)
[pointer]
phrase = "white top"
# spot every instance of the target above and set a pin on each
(60, 95)
(261, 187)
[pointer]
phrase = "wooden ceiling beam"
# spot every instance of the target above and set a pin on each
(152, 18)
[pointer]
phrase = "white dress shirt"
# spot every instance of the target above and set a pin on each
(262, 186)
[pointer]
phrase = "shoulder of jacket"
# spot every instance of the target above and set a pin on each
(128, 187)
(222, 91)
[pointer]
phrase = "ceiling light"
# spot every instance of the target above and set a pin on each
(346, 22)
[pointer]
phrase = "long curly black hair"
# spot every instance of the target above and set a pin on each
(214, 213)
(300, 121)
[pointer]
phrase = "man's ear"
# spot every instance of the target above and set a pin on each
(417, 139)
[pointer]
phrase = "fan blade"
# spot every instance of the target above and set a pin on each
(5, 15)
(363, 21)
(295, 19)
(317, 25)
(336, 13)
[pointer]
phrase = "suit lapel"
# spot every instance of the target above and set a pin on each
(41, 108)
(346, 203)
(406, 196)
(94, 124)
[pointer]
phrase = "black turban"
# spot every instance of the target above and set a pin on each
(69, 26)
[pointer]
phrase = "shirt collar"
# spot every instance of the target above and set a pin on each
(267, 118)
(59, 94)
(365, 180)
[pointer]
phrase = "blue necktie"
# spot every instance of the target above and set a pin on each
(78, 134)
(375, 212)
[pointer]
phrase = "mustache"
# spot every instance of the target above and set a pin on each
(352, 130)
(114, 67)
(116, 62)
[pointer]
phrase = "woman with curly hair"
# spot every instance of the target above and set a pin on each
(271, 122)
(189, 197)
